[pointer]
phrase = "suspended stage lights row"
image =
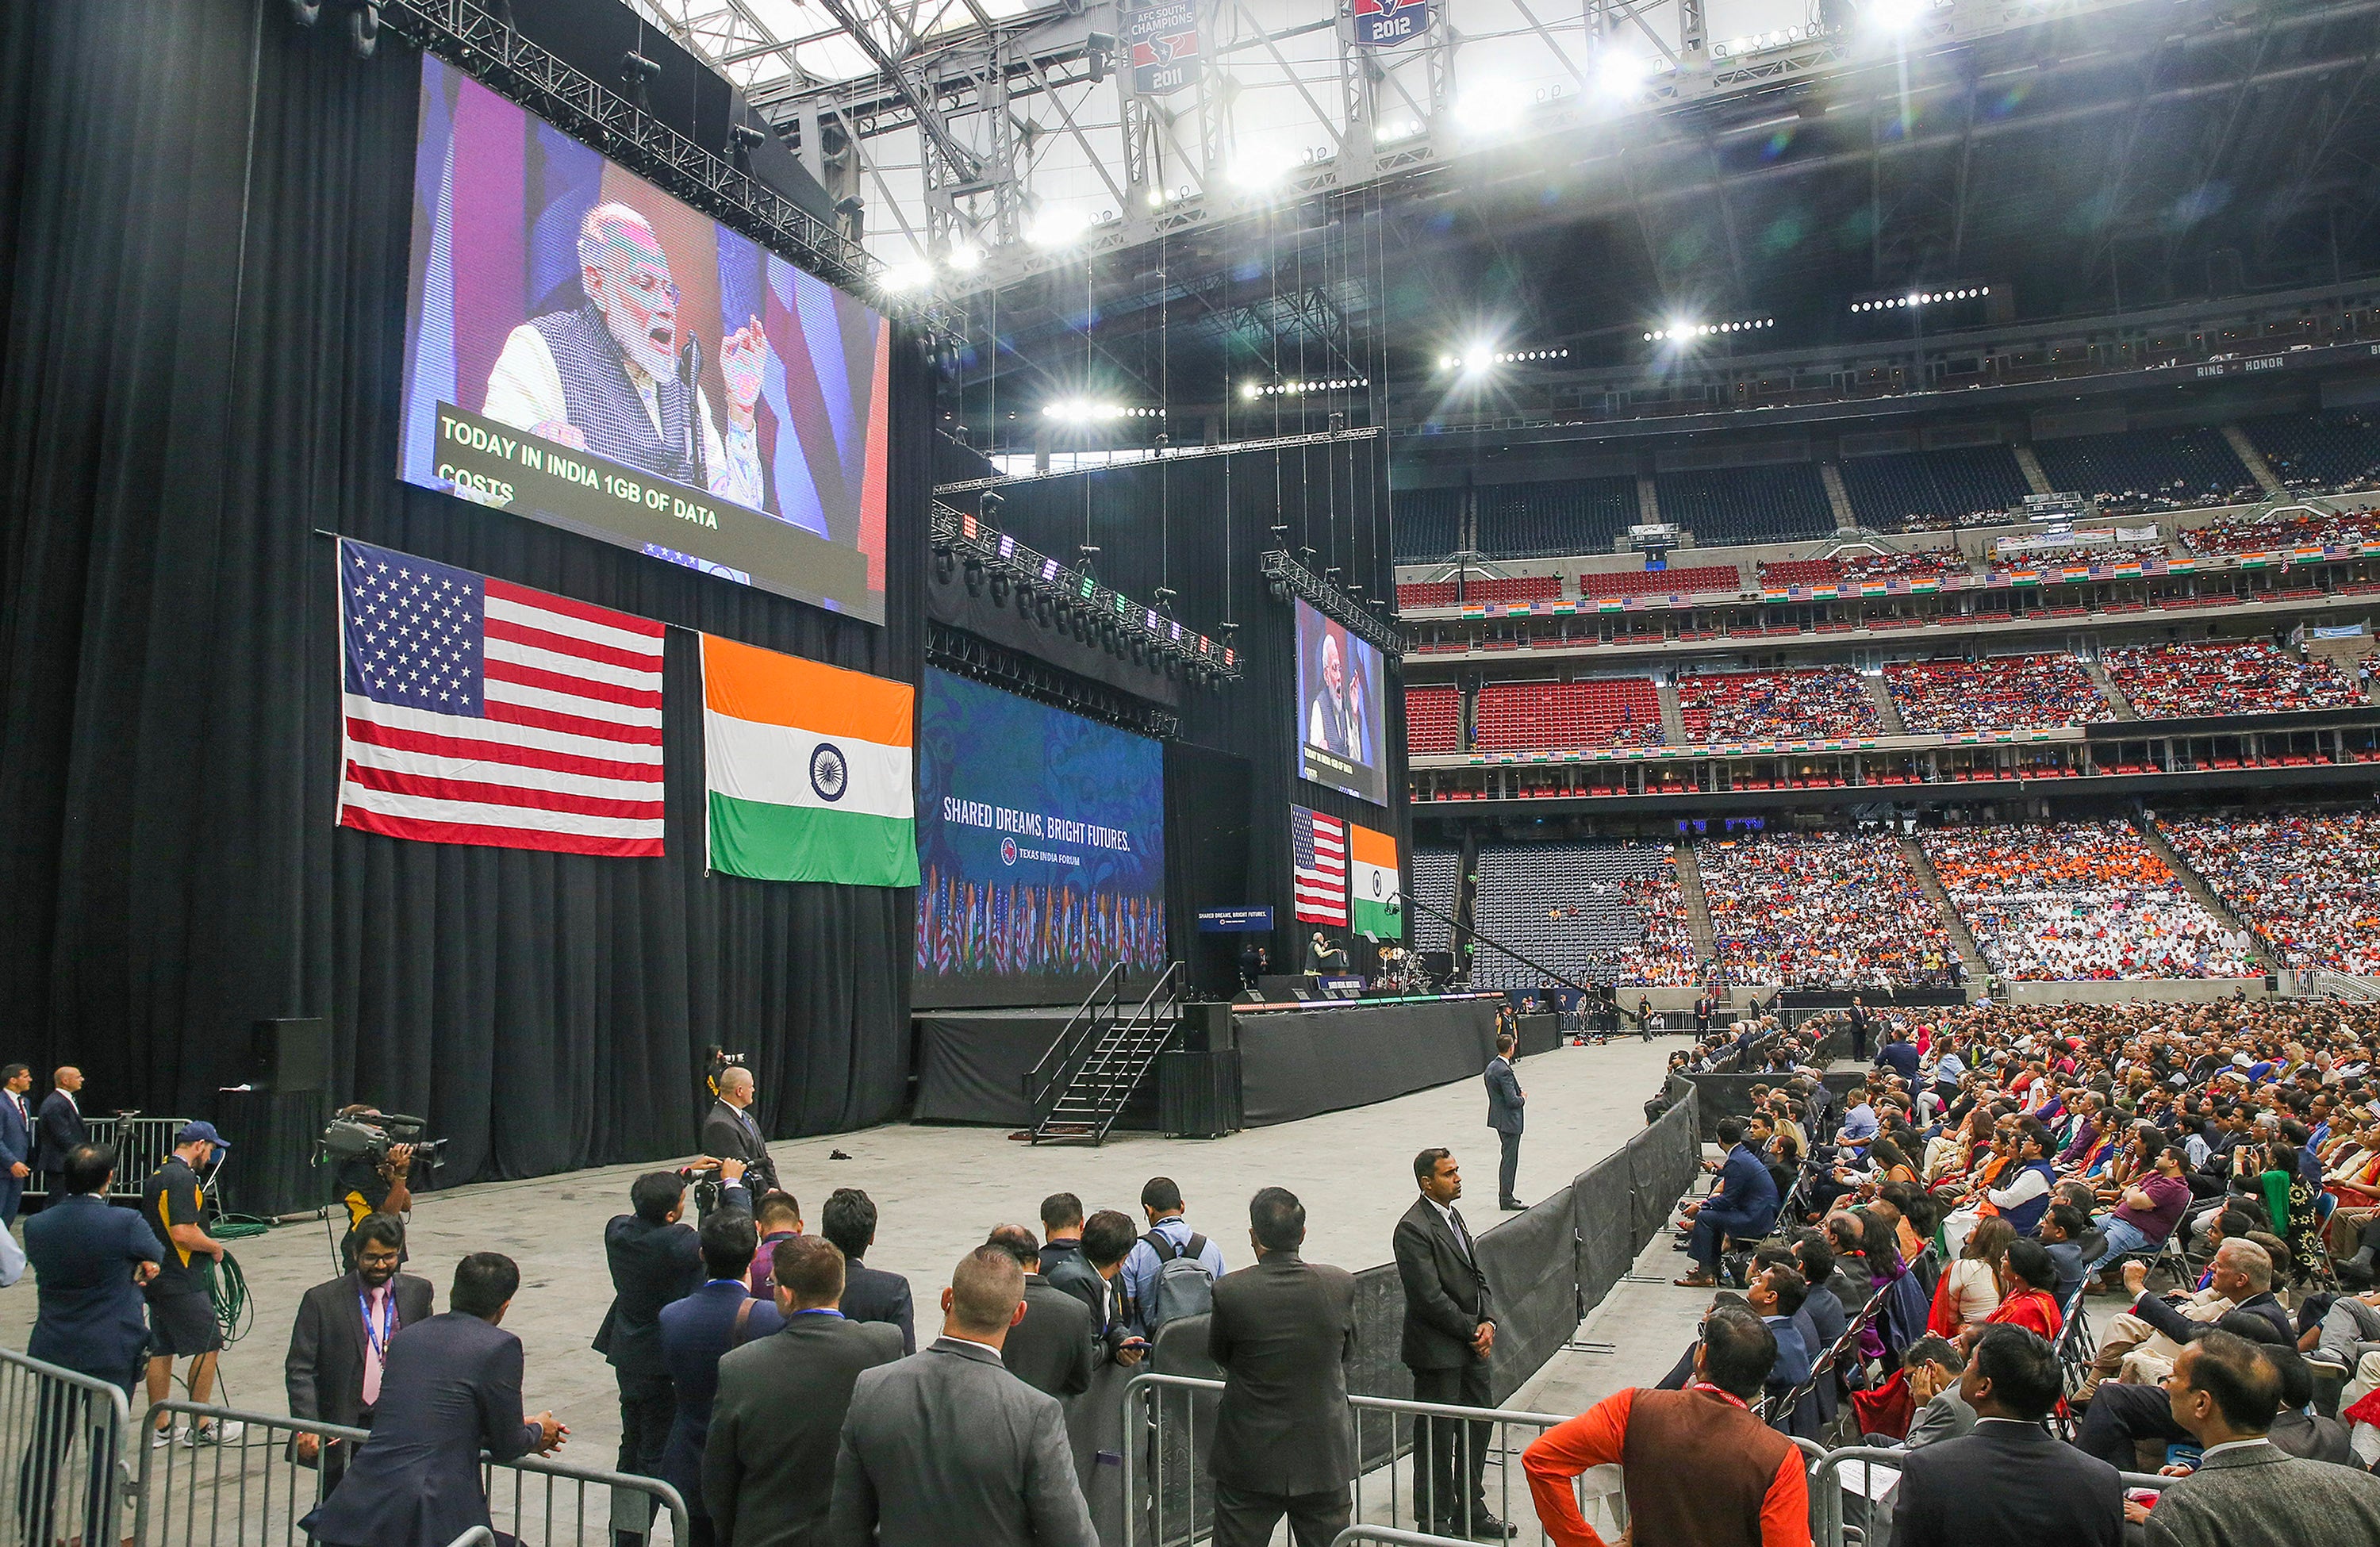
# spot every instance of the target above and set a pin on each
(1677, 331)
(1921, 298)
(1075, 411)
(1292, 389)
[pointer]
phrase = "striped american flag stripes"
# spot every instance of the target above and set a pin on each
(479, 711)
(1319, 845)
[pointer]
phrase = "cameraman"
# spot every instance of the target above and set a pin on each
(656, 1260)
(366, 1185)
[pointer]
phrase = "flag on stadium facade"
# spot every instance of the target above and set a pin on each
(473, 711)
(1319, 845)
(808, 768)
(1375, 882)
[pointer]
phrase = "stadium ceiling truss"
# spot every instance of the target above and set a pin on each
(995, 139)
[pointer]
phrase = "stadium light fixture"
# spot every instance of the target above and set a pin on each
(1488, 107)
(965, 259)
(903, 277)
(1477, 361)
(1897, 16)
(1619, 76)
(1056, 228)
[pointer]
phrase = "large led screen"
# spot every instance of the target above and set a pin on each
(1040, 849)
(583, 350)
(1342, 718)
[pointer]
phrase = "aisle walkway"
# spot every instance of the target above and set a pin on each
(938, 1191)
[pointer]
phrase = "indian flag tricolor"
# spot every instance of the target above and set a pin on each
(1373, 881)
(808, 768)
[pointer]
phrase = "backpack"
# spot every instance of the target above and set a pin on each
(1182, 1285)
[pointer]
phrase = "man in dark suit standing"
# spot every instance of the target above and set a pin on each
(2007, 1480)
(88, 1262)
(655, 1259)
(338, 1350)
(1505, 1099)
(768, 1470)
(61, 1124)
(731, 1133)
(1282, 1331)
(696, 1331)
(1859, 1028)
(15, 1139)
(948, 1446)
(451, 1389)
(868, 1294)
(1448, 1334)
(1054, 1348)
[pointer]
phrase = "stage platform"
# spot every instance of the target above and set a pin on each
(1297, 1059)
(939, 1189)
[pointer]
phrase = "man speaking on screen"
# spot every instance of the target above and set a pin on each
(613, 376)
(1335, 722)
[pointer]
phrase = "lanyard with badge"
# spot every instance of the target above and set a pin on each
(380, 1339)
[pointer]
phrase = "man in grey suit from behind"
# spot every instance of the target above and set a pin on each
(768, 1470)
(1282, 1331)
(947, 1447)
(2247, 1492)
(1505, 1099)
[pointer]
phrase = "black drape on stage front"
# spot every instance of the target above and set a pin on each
(204, 212)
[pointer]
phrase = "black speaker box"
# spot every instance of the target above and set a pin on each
(292, 1054)
(1207, 1028)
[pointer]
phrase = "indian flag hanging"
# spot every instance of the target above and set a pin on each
(808, 768)
(1373, 881)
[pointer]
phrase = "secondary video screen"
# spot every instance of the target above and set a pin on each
(583, 349)
(1341, 721)
(1040, 849)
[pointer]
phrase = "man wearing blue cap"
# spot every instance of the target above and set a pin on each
(181, 1304)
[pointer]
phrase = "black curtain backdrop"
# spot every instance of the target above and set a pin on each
(204, 212)
(1200, 526)
(1207, 819)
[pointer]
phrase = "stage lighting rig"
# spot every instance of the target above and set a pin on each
(1071, 599)
(1288, 577)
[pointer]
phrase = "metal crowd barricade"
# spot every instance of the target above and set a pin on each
(1169, 1498)
(252, 1491)
(63, 1475)
(141, 1145)
(1393, 1535)
(1828, 1526)
(478, 1536)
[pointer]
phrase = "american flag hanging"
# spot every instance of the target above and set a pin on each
(479, 711)
(1319, 844)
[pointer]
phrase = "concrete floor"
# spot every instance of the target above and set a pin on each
(938, 1190)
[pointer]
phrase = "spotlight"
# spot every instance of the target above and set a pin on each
(975, 577)
(1055, 229)
(1000, 589)
(901, 277)
(637, 76)
(965, 259)
(1477, 361)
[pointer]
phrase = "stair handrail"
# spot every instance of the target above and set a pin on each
(1047, 1079)
(1151, 1015)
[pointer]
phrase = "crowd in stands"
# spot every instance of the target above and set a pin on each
(1663, 955)
(2294, 529)
(1918, 564)
(2308, 882)
(1800, 702)
(1998, 692)
(2180, 681)
(2079, 900)
(1808, 910)
(1922, 1246)
(2079, 554)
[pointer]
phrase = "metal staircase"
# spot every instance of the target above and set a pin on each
(1080, 1086)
